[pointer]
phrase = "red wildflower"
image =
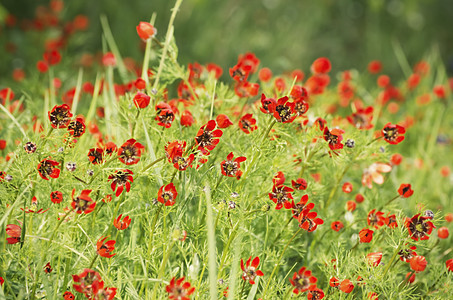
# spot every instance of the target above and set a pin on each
(267, 104)
(301, 106)
(95, 155)
(15, 232)
(83, 203)
(443, 233)
(315, 293)
(302, 280)
(175, 151)
(179, 289)
(109, 60)
(246, 89)
(418, 263)
(129, 153)
(362, 118)
(47, 268)
(321, 65)
(366, 235)
(419, 227)
(140, 84)
(249, 270)
(60, 116)
(347, 187)
(299, 184)
(376, 218)
(42, 66)
(346, 286)
(141, 100)
(393, 134)
(105, 249)
(101, 293)
(122, 224)
(68, 296)
(374, 67)
(84, 281)
(223, 121)
(77, 127)
(52, 57)
(265, 74)
(351, 205)
(301, 206)
(405, 190)
(334, 282)
(165, 115)
(207, 137)
(359, 198)
(334, 138)
(167, 194)
(283, 110)
(337, 225)
(146, 31)
(410, 279)
(281, 195)
(47, 168)
(390, 221)
(449, 265)
(110, 148)
(121, 179)
(230, 167)
(187, 119)
(407, 254)
(247, 64)
(308, 219)
(247, 123)
(212, 68)
(374, 258)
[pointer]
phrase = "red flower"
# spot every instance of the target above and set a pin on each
(359, 198)
(167, 194)
(223, 121)
(393, 134)
(245, 89)
(77, 127)
(390, 221)
(42, 66)
(419, 227)
(187, 119)
(207, 137)
(376, 219)
(308, 219)
(52, 57)
(321, 65)
(407, 254)
(15, 232)
(109, 59)
(179, 289)
(230, 167)
(302, 280)
(443, 233)
(346, 286)
(405, 190)
(129, 153)
(212, 68)
(362, 118)
(337, 225)
(334, 282)
(101, 293)
(351, 205)
(105, 249)
(283, 110)
(165, 115)
(374, 67)
(366, 235)
(315, 294)
(247, 123)
(302, 205)
(347, 187)
(265, 74)
(247, 64)
(110, 148)
(449, 265)
(47, 168)
(249, 270)
(373, 173)
(267, 104)
(84, 281)
(141, 100)
(374, 258)
(68, 296)
(175, 151)
(47, 268)
(299, 184)
(146, 31)
(301, 106)
(122, 224)
(60, 116)
(418, 263)
(95, 155)
(83, 203)
(281, 194)
(334, 138)
(121, 179)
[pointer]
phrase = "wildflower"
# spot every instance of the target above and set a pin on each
(376, 218)
(121, 179)
(315, 294)
(366, 235)
(30, 147)
(223, 121)
(362, 118)
(179, 289)
(47, 268)
(449, 265)
(247, 123)
(230, 167)
(407, 254)
(110, 148)
(167, 194)
(165, 115)
(393, 134)
(129, 153)
(109, 60)
(214, 69)
(351, 205)
(68, 295)
(84, 281)
(374, 258)
(246, 65)
(299, 207)
(245, 89)
(428, 214)
(337, 225)
(56, 197)
(334, 138)
(308, 219)
(390, 221)
(95, 155)
(410, 279)
(83, 203)
(207, 137)
(396, 159)
(249, 270)
(321, 65)
(187, 119)
(405, 190)
(374, 67)
(359, 198)
(175, 151)
(60, 116)
(77, 127)
(47, 168)
(141, 100)
(265, 74)
(419, 227)
(346, 286)
(283, 110)
(15, 232)
(443, 233)
(280, 195)
(302, 280)
(418, 263)
(334, 282)
(122, 224)
(347, 187)
(373, 173)
(267, 104)
(146, 31)
(299, 184)
(105, 249)
(99, 292)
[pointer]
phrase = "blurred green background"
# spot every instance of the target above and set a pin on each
(284, 34)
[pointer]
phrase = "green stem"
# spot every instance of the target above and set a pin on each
(389, 264)
(152, 164)
(162, 268)
(135, 122)
(280, 233)
(94, 259)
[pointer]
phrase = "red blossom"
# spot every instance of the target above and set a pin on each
(247, 123)
(299, 184)
(230, 167)
(167, 194)
(60, 116)
(122, 224)
(187, 119)
(207, 137)
(15, 232)
(302, 280)
(366, 235)
(83, 203)
(179, 289)
(346, 286)
(141, 100)
(56, 197)
(337, 225)
(77, 127)
(121, 180)
(393, 134)
(129, 153)
(48, 168)
(419, 227)
(105, 249)
(249, 270)
(418, 263)
(223, 121)
(405, 190)
(146, 31)
(374, 258)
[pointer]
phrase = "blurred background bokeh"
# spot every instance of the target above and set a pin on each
(284, 34)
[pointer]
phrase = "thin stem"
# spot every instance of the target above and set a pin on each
(152, 164)
(135, 122)
(280, 233)
(94, 259)
(389, 264)
(162, 268)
